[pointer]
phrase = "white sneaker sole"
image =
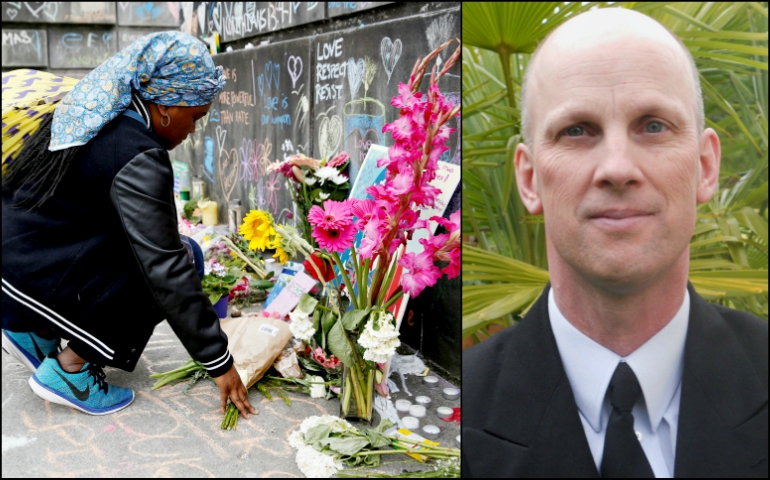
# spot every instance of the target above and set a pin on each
(11, 349)
(53, 397)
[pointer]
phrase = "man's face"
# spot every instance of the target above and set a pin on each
(617, 164)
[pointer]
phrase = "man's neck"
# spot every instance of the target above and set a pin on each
(620, 322)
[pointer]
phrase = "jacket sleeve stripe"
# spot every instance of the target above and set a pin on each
(31, 303)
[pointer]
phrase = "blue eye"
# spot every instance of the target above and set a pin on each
(575, 131)
(654, 127)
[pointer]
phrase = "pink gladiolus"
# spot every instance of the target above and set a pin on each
(421, 272)
(363, 210)
(335, 239)
(339, 160)
(334, 215)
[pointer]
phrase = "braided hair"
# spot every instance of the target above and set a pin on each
(37, 169)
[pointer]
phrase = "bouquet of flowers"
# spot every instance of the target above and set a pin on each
(325, 445)
(359, 330)
(314, 181)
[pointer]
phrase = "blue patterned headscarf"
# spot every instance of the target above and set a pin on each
(166, 68)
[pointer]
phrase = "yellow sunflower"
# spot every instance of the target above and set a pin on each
(281, 254)
(257, 228)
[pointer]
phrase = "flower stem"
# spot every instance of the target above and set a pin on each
(345, 277)
(396, 295)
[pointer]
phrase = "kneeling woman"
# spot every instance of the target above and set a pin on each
(91, 251)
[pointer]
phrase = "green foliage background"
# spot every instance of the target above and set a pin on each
(504, 261)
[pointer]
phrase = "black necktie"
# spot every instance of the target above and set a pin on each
(623, 455)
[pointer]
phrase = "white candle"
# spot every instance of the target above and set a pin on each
(417, 411)
(444, 413)
(430, 381)
(458, 439)
(451, 393)
(410, 423)
(423, 400)
(430, 431)
(403, 405)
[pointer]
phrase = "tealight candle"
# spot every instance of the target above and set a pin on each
(423, 400)
(403, 405)
(430, 431)
(451, 393)
(458, 439)
(444, 413)
(430, 381)
(417, 411)
(410, 423)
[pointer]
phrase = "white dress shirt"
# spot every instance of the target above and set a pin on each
(658, 366)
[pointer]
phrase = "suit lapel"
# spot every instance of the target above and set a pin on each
(723, 403)
(534, 429)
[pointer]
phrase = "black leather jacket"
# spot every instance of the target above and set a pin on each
(101, 262)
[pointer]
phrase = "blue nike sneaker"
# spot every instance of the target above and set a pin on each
(85, 390)
(28, 348)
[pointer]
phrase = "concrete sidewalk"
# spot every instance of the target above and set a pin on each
(164, 433)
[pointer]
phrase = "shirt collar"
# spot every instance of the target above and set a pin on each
(589, 366)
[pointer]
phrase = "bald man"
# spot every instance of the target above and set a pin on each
(620, 369)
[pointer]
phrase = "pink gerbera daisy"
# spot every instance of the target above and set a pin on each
(335, 239)
(333, 215)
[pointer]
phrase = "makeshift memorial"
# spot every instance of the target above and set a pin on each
(358, 328)
(326, 445)
(315, 181)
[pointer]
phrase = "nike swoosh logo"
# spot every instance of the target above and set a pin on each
(38, 352)
(81, 395)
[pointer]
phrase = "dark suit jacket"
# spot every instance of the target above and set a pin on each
(520, 418)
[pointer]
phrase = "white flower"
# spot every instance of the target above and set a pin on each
(301, 326)
(311, 181)
(296, 439)
(326, 173)
(322, 196)
(382, 343)
(339, 179)
(317, 389)
(314, 464)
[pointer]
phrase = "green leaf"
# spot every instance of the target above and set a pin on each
(318, 435)
(346, 445)
(339, 345)
(352, 319)
(306, 304)
(376, 438)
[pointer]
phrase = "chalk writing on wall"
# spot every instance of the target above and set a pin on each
(335, 9)
(234, 20)
(80, 47)
(356, 75)
(25, 48)
(158, 14)
(59, 12)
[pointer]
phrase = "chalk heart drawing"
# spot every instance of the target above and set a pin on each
(294, 67)
(51, 9)
(173, 8)
(272, 75)
(361, 143)
(390, 52)
(355, 74)
(34, 7)
(221, 135)
(11, 13)
(329, 135)
(228, 171)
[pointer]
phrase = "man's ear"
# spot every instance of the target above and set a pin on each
(526, 179)
(708, 166)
